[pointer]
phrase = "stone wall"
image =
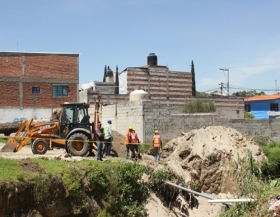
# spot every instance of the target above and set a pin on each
(145, 117)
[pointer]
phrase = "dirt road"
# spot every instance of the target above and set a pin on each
(27, 153)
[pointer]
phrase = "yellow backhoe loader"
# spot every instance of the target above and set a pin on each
(73, 131)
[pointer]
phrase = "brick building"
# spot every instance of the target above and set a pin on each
(163, 86)
(32, 84)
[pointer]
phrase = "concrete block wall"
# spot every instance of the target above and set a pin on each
(106, 98)
(124, 115)
(146, 116)
(227, 107)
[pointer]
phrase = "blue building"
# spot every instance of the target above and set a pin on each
(263, 107)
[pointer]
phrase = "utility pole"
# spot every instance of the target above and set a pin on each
(223, 69)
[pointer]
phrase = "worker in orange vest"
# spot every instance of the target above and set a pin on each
(128, 140)
(134, 145)
(157, 144)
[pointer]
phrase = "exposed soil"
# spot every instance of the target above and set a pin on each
(30, 166)
(207, 160)
(118, 144)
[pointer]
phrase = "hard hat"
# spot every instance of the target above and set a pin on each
(99, 124)
(130, 128)
(156, 131)
(109, 121)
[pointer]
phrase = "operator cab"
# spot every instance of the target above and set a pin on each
(73, 115)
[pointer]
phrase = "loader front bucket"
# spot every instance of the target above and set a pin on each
(9, 147)
(19, 140)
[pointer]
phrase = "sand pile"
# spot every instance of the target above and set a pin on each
(207, 159)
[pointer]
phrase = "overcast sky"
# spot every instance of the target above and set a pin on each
(241, 35)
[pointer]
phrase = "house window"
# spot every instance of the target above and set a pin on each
(36, 90)
(247, 108)
(60, 90)
(274, 107)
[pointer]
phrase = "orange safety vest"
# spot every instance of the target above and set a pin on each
(134, 138)
(157, 141)
(127, 137)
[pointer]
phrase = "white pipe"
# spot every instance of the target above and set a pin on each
(194, 192)
(241, 200)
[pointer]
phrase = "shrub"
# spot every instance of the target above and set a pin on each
(249, 115)
(271, 167)
(126, 191)
(159, 176)
(197, 106)
(261, 140)
(212, 107)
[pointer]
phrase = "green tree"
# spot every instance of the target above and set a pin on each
(105, 73)
(117, 81)
(193, 80)
(202, 94)
(248, 93)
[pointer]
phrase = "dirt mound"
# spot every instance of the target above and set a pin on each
(29, 165)
(56, 114)
(118, 143)
(207, 157)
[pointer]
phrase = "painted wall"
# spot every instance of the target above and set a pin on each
(14, 114)
(260, 108)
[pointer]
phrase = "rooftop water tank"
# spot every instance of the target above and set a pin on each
(152, 59)
(138, 95)
(109, 73)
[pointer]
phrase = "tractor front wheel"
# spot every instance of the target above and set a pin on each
(39, 146)
(78, 144)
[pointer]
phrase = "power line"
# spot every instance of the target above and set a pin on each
(240, 88)
(245, 88)
(255, 65)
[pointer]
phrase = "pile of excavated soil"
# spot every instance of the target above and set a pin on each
(118, 144)
(207, 159)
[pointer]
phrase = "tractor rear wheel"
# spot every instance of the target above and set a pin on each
(39, 146)
(78, 144)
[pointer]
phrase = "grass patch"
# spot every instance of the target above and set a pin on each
(57, 166)
(115, 185)
(256, 185)
(10, 170)
(3, 140)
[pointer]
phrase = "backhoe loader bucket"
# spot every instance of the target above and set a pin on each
(12, 144)
(9, 147)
